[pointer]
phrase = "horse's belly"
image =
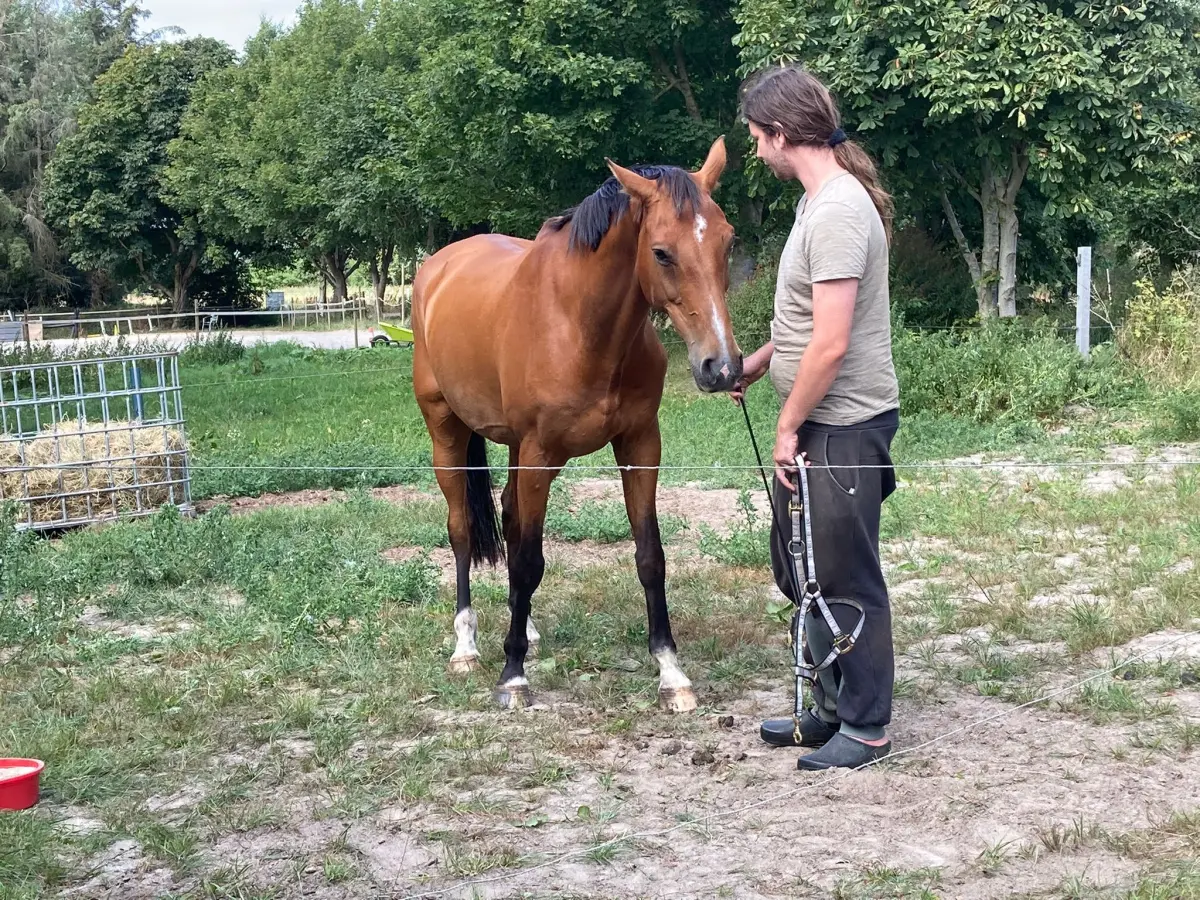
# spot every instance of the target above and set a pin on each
(479, 408)
(581, 432)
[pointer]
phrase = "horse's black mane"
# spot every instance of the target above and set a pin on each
(591, 220)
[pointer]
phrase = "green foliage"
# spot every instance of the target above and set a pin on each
(751, 309)
(106, 188)
(605, 523)
(966, 97)
(1161, 331)
(290, 151)
(748, 542)
(1180, 412)
(998, 372)
(220, 349)
(1159, 213)
(928, 287)
(1032, 75)
(536, 94)
(1011, 372)
(51, 53)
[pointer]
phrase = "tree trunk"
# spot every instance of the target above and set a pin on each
(380, 267)
(184, 270)
(338, 279)
(994, 269)
(989, 257)
(678, 80)
(97, 284)
(334, 266)
(1010, 227)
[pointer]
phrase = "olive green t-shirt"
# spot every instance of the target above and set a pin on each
(837, 234)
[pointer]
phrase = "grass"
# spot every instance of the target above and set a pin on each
(189, 681)
(285, 417)
(879, 882)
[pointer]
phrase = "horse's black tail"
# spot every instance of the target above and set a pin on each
(487, 544)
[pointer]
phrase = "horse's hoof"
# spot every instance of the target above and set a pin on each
(464, 665)
(514, 696)
(680, 700)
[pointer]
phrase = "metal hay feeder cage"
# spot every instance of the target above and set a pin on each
(93, 440)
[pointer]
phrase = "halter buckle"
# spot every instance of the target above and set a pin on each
(843, 643)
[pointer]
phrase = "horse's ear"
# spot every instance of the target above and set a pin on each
(635, 185)
(710, 172)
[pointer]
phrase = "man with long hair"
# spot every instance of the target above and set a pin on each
(830, 360)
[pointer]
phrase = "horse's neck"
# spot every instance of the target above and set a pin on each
(610, 304)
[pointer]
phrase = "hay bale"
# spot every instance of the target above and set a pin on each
(75, 459)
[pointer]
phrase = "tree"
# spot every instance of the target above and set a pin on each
(292, 153)
(40, 85)
(515, 103)
(106, 188)
(259, 153)
(1163, 214)
(967, 100)
(51, 52)
(108, 28)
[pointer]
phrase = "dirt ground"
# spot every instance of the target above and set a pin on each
(994, 809)
(1036, 802)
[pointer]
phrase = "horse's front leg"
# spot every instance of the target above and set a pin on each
(525, 567)
(644, 448)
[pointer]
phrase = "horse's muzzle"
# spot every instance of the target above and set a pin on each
(717, 373)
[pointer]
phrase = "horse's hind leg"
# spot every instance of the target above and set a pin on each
(512, 533)
(450, 438)
(675, 691)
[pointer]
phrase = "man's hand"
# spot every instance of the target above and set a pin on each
(754, 368)
(787, 446)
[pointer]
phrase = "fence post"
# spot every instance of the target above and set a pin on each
(1083, 300)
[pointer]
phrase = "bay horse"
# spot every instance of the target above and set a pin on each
(547, 346)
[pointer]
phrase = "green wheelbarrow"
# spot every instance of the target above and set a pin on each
(393, 336)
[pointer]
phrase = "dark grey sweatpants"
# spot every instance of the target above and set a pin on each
(846, 505)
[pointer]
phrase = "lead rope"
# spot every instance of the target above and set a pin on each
(842, 643)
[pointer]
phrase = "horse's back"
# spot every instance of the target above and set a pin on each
(462, 306)
(464, 282)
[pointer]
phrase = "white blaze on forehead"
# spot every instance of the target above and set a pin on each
(671, 677)
(701, 227)
(719, 331)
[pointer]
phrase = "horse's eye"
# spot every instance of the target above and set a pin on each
(662, 257)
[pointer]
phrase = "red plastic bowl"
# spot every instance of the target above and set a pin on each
(19, 790)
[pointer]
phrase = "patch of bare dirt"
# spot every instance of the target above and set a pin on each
(1004, 784)
(122, 871)
(557, 553)
(1161, 646)
(941, 807)
(310, 497)
(716, 508)
(94, 617)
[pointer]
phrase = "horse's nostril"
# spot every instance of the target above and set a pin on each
(717, 372)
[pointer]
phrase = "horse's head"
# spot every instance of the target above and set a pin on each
(683, 262)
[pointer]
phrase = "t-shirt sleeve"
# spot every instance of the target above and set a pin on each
(838, 243)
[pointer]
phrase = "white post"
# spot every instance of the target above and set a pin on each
(1083, 300)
